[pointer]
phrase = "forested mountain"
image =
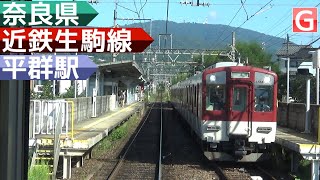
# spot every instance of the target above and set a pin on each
(201, 36)
(206, 36)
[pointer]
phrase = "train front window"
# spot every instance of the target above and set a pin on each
(239, 99)
(263, 98)
(215, 97)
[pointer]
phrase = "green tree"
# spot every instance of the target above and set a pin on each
(180, 77)
(208, 61)
(46, 91)
(70, 91)
(256, 55)
(297, 87)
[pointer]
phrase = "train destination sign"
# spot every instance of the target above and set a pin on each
(47, 13)
(46, 67)
(240, 74)
(65, 40)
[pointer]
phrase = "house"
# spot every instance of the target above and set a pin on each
(297, 55)
(306, 68)
(61, 86)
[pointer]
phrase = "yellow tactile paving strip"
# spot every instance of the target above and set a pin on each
(299, 142)
(88, 133)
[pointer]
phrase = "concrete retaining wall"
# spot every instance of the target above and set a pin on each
(83, 107)
(293, 116)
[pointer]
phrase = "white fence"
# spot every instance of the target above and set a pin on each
(45, 113)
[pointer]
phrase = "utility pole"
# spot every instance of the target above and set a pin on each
(317, 73)
(115, 14)
(316, 65)
(307, 122)
(115, 25)
(233, 46)
(232, 54)
(288, 69)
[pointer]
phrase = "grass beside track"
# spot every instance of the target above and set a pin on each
(39, 172)
(116, 135)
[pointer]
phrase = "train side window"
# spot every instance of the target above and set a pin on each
(187, 95)
(195, 99)
(239, 101)
(215, 97)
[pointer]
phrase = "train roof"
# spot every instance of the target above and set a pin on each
(198, 77)
(225, 64)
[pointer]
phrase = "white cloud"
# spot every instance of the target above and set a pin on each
(213, 14)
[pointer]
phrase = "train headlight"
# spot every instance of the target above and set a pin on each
(264, 130)
(267, 80)
(212, 78)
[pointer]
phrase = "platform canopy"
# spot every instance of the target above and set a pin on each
(122, 70)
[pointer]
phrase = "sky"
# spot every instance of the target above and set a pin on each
(274, 19)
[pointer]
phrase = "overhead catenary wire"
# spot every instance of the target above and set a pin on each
(223, 31)
(285, 31)
(280, 20)
(214, 4)
(244, 22)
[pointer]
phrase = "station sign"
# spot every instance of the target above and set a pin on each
(66, 40)
(46, 13)
(58, 27)
(46, 67)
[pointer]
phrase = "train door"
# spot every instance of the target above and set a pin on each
(240, 112)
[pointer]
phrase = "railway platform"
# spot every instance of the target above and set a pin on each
(78, 144)
(304, 144)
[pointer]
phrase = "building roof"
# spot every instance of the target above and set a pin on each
(122, 70)
(293, 50)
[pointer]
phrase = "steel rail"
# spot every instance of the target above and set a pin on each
(222, 175)
(270, 176)
(160, 147)
(116, 169)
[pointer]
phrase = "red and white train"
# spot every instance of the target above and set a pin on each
(232, 108)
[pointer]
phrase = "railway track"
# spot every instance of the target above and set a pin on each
(184, 159)
(235, 171)
(140, 160)
(182, 156)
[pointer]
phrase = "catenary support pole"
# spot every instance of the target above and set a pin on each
(288, 79)
(307, 123)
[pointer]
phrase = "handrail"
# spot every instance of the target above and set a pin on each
(72, 117)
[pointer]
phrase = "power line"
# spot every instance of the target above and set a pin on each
(283, 18)
(223, 31)
(215, 4)
(245, 22)
(313, 41)
(142, 6)
(281, 22)
(285, 31)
